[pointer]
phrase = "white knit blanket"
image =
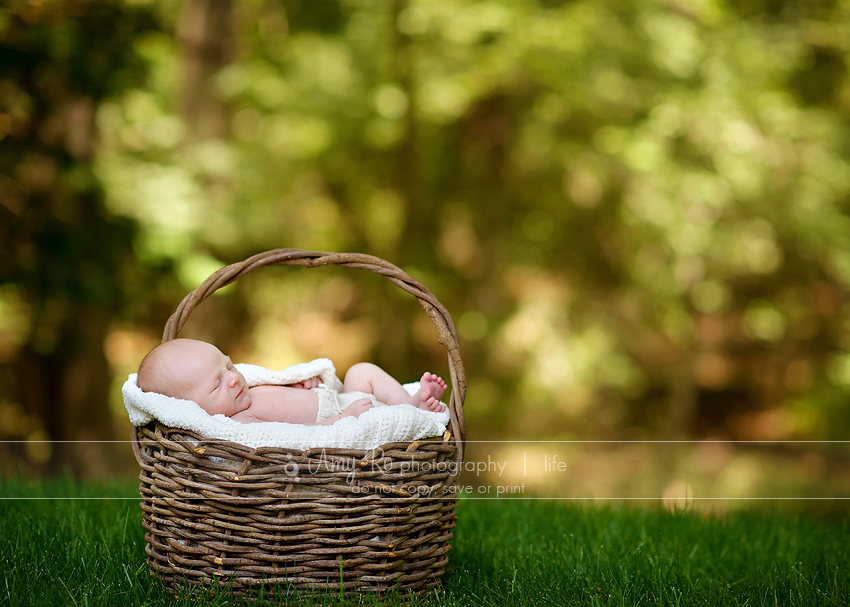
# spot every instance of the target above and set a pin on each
(375, 427)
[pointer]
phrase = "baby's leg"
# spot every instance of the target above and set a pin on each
(366, 377)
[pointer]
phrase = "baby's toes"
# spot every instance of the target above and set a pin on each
(434, 405)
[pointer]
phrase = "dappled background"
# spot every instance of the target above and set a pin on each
(637, 213)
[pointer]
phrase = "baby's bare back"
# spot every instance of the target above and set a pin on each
(280, 404)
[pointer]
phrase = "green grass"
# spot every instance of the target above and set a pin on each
(509, 552)
(527, 552)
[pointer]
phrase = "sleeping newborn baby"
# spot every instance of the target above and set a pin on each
(198, 371)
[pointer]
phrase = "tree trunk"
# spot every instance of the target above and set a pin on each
(206, 33)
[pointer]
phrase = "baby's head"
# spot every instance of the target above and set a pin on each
(197, 371)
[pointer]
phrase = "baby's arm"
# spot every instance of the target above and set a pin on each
(307, 384)
(355, 409)
(292, 406)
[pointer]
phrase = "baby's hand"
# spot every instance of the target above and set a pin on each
(357, 407)
(307, 384)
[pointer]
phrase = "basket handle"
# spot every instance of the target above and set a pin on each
(134, 442)
(311, 259)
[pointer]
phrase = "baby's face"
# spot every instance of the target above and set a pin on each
(211, 380)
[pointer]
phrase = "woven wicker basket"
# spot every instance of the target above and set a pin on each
(273, 520)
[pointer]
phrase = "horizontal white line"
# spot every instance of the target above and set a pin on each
(382, 495)
(695, 442)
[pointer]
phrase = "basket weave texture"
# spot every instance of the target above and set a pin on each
(217, 513)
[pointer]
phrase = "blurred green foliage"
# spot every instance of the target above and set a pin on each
(637, 211)
(66, 261)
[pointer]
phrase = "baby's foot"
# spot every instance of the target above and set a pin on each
(431, 390)
(432, 404)
(435, 382)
